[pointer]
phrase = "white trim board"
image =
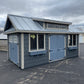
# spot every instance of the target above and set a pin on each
(22, 51)
(49, 46)
(37, 44)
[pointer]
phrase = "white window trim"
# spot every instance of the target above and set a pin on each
(37, 45)
(72, 41)
(43, 25)
(56, 28)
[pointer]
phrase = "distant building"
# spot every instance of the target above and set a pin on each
(3, 41)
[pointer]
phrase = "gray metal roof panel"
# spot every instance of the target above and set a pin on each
(11, 29)
(27, 24)
(43, 19)
(22, 23)
(14, 21)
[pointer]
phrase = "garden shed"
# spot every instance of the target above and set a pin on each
(36, 41)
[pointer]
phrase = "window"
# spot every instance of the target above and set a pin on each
(41, 41)
(72, 40)
(37, 42)
(33, 42)
(54, 25)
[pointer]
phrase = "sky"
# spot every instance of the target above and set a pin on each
(61, 10)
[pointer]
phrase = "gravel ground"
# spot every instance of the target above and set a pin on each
(69, 71)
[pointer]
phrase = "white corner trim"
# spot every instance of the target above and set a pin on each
(65, 44)
(49, 46)
(22, 51)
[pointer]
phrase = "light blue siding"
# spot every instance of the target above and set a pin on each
(35, 58)
(13, 52)
(57, 47)
(38, 52)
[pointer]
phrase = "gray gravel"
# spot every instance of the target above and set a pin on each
(69, 71)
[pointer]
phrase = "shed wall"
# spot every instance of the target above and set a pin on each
(19, 45)
(32, 60)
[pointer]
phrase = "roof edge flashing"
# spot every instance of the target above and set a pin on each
(43, 19)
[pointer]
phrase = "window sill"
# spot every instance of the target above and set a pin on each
(37, 52)
(72, 48)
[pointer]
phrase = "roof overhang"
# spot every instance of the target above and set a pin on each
(44, 19)
(52, 21)
(46, 32)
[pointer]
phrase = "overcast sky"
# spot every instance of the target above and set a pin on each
(65, 10)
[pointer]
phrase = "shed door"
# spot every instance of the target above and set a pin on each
(13, 49)
(57, 45)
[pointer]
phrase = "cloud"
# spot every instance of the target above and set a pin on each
(67, 10)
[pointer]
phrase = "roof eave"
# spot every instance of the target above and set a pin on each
(53, 21)
(41, 32)
(44, 20)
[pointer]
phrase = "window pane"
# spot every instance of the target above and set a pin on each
(74, 39)
(33, 42)
(54, 25)
(70, 40)
(41, 41)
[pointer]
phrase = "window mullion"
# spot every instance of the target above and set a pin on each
(43, 25)
(76, 40)
(29, 42)
(47, 25)
(37, 41)
(44, 41)
(72, 40)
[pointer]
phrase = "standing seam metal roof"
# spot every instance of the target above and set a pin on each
(22, 23)
(28, 24)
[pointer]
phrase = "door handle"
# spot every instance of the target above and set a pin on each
(50, 50)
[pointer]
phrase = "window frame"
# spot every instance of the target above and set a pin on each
(59, 26)
(72, 41)
(37, 44)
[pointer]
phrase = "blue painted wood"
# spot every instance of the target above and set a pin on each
(30, 61)
(72, 48)
(13, 52)
(57, 47)
(37, 52)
